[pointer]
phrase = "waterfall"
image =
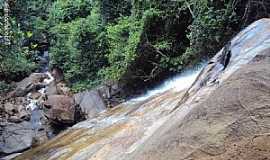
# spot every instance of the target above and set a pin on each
(34, 104)
(176, 83)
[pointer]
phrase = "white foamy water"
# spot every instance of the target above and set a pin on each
(177, 83)
(47, 81)
(33, 103)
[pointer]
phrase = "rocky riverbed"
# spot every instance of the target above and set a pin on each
(223, 115)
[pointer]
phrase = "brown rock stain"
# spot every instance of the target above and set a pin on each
(68, 140)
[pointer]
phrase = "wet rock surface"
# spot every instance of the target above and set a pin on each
(231, 123)
(60, 109)
(23, 123)
(33, 82)
(223, 115)
(22, 119)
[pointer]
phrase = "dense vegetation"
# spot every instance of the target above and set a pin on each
(134, 42)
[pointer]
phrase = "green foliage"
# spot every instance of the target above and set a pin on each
(123, 39)
(14, 59)
(5, 87)
(79, 48)
(68, 10)
(111, 10)
(166, 35)
(211, 28)
(135, 42)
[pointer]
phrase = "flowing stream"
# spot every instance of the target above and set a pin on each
(177, 83)
(34, 105)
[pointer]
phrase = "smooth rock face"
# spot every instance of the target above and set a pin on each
(223, 115)
(232, 123)
(16, 137)
(60, 109)
(90, 103)
(10, 157)
(52, 89)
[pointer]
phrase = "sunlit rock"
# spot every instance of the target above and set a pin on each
(60, 109)
(223, 115)
(90, 103)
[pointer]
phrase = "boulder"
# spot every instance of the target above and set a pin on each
(33, 82)
(225, 115)
(63, 89)
(51, 89)
(58, 74)
(10, 108)
(58, 88)
(60, 109)
(90, 103)
(16, 137)
(35, 95)
(110, 93)
(17, 113)
(10, 157)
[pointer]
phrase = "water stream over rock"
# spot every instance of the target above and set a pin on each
(223, 115)
(34, 105)
(26, 124)
(177, 83)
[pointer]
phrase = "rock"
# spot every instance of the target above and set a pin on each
(52, 90)
(59, 88)
(10, 157)
(63, 89)
(110, 93)
(35, 95)
(17, 112)
(10, 108)
(225, 125)
(90, 103)
(40, 139)
(33, 82)
(14, 119)
(60, 109)
(109, 90)
(16, 137)
(224, 115)
(58, 74)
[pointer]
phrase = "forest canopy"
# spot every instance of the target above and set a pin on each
(135, 43)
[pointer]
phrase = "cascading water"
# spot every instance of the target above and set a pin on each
(177, 83)
(34, 104)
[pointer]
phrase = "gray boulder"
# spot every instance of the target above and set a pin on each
(16, 137)
(90, 102)
(33, 82)
(51, 89)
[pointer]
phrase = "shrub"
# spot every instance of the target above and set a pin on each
(79, 48)
(15, 60)
(211, 28)
(123, 39)
(5, 87)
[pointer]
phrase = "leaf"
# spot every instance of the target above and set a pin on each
(29, 34)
